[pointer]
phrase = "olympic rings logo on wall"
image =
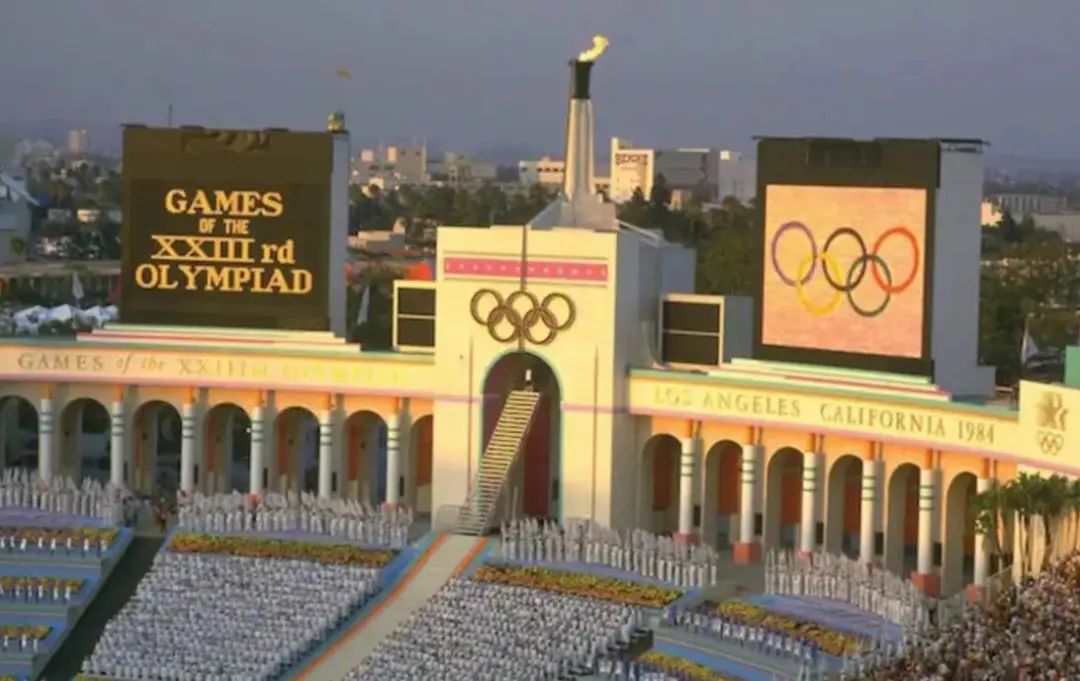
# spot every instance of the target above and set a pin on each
(844, 283)
(507, 322)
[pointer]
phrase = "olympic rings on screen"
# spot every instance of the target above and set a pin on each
(845, 283)
(521, 322)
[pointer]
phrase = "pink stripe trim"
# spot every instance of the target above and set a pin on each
(216, 383)
(566, 270)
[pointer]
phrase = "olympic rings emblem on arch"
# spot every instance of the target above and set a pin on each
(843, 283)
(523, 322)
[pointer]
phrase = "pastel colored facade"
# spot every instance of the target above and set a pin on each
(753, 454)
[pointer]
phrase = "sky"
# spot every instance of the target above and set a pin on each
(475, 74)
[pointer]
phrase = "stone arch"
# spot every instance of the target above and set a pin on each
(844, 506)
(364, 456)
(83, 440)
(902, 527)
(18, 432)
(419, 469)
(226, 460)
(296, 448)
(534, 486)
(720, 494)
(783, 498)
(658, 488)
(155, 448)
(958, 563)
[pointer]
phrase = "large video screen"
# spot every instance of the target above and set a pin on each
(213, 237)
(845, 269)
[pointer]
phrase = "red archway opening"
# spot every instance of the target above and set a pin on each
(534, 487)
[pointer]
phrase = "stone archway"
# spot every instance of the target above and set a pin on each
(902, 527)
(783, 499)
(844, 507)
(296, 432)
(534, 487)
(721, 493)
(155, 448)
(419, 468)
(84, 440)
(18, 433)
(658, 490)
(227, 450)
(365, 458)
(958, 563)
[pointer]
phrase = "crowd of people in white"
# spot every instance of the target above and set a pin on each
(23, 489)
(492, 632)
(839, 578)
(635, 551)
(304, 513)
(203, 617)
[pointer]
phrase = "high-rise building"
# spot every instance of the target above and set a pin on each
(709, 174)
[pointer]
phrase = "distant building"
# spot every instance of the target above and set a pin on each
(33, 152)
(1020, 204)
(709, 174)
(735, 176)
(462, 169)
(16, 218)
(1067, 225)
(389, 167)
(991, 214)
(545, 171)
(78, 142)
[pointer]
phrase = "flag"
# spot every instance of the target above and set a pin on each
(365, 302)
(1028, 349)
(76, 287)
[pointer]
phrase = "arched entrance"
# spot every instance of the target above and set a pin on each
(658, 492)
(418, 470)
(155, 448)
(844, 508)
(783, 499)
(720, 498)
(534, 487)
(902, 528)
(84, 440)
(959, 559)
(365, 457)
(18, 433)
(227, 450)
(297, 446)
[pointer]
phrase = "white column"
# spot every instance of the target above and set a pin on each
(326, 453)
(258, 428)
(117, 443)
(45, 439)
(393, 458)
(686, 488)
(808, 517)
(748, 472)
(927, 480)
(982, 544)
(868, 511)
(187, 448)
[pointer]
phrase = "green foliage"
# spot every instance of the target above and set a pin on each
(431, 206)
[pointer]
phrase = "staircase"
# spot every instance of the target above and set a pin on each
(502, 450)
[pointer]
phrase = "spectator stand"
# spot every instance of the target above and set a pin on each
(45, 589)
(389, 578)
(204, 533)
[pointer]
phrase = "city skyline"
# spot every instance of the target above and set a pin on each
(491, 75)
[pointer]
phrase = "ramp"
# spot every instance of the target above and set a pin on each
(447, 556)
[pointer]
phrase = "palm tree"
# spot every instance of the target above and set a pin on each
(1050, 500)
(990, 510)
